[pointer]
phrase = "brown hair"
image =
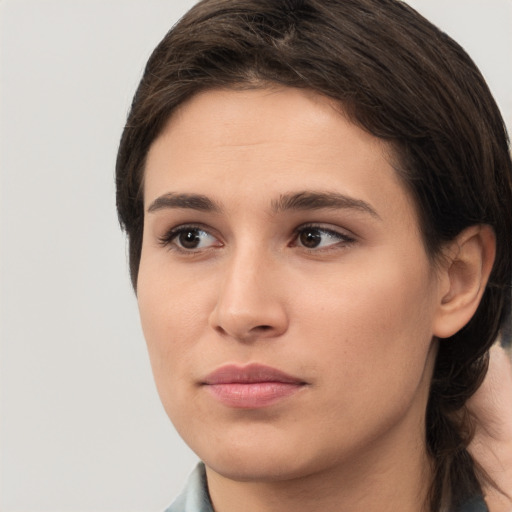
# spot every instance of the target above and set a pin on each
(403, 80)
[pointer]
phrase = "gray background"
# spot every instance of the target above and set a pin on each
(81, 427)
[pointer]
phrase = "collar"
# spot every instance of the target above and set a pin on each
(194, 497)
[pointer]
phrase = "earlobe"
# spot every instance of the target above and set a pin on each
(465, 272)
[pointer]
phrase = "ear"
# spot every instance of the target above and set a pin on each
(465, 270)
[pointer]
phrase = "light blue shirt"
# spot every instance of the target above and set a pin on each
(194, 498)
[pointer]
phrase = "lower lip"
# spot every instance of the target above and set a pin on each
(252, 395)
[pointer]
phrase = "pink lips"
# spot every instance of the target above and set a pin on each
(252, 386)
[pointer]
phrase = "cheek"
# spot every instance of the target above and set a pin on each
(173, 314)
(372, 328)
(171, 319)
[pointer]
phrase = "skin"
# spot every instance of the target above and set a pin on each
(353, 318)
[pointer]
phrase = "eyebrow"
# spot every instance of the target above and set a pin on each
(308, 200)
(190, 201)
(305, 200)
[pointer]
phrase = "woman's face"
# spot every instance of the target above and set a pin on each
(285, 294)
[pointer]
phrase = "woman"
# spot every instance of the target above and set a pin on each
(316, 195)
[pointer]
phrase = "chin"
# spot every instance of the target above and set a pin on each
(264, 459)
(264, 467)
(250, 456)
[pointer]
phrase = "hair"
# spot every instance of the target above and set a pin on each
(401, 79)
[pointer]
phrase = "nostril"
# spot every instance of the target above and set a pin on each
(263, 327)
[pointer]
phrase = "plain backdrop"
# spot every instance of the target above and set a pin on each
(81, 427)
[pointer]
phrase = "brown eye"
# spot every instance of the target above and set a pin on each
(189, 238)
(316, 237)
(310, 238)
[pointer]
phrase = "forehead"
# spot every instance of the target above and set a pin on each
(263, 115)
(257, 144)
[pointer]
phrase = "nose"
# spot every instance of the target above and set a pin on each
(250, 303)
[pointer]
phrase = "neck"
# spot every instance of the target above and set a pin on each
(393, 475)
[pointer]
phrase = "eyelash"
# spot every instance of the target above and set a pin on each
(343, 239)
(168, 239)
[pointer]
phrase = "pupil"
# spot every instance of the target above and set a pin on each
(189, 239)
(310, 239)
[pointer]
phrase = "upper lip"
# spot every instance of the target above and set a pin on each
(248, 374)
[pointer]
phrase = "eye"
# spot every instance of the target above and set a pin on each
(189, 238)
(316, 237)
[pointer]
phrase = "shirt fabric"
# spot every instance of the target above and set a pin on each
(195, 497)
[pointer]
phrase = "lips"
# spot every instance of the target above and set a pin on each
(252, 386)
